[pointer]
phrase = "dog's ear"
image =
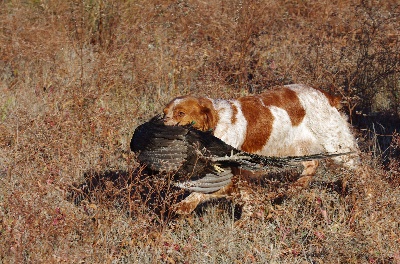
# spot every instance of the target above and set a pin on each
(209, 114)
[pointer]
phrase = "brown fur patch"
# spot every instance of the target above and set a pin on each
(260, 119)
(234, 113)
(209, 113)
(259, 123)
(288, 100)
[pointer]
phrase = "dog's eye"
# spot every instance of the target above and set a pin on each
(181, 114)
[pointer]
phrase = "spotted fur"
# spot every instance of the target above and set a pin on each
(292, 120)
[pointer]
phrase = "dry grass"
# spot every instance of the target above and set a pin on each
(76, 78)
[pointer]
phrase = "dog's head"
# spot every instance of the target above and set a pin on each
(190, 110)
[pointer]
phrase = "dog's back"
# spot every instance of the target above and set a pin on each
(294, 120)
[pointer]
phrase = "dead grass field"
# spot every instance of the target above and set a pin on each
(77, 77)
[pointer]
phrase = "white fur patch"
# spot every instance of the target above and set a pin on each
(232, 134)
(327, 125)
(288, 140)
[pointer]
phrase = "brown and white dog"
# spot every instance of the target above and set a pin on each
(292, 120)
